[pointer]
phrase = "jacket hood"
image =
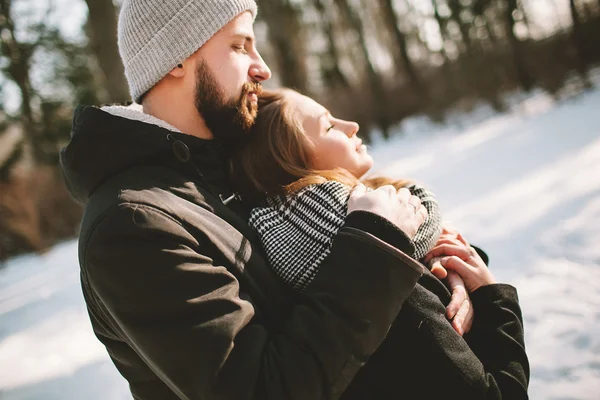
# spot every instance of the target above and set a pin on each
(107, 141)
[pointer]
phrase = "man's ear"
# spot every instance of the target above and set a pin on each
(178, 71)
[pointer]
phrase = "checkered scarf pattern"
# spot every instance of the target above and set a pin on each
(297, 231)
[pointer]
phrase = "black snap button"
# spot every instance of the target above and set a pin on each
(181, 151)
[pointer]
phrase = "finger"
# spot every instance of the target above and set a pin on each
(448, 250)
(437, 270)
(422, 213)
(448, 228)
(469, 318)
(453, 263)
(448, 240)
(415, 201)
(403, 195)
(446, 235)
(389, 190)
(459, 294)
(359, 189)
(462, 239)
(459, 320)
(474, 253)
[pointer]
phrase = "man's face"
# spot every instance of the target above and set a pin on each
(228, 118)
(228, 76)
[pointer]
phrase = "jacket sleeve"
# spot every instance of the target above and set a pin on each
(186, 317)
(497, 339)
(490, 363)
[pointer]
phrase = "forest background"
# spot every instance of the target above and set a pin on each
(374, 61)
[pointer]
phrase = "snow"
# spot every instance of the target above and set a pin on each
(524, 186)
(47, 347)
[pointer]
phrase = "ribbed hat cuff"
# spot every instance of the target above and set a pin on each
(175, 44)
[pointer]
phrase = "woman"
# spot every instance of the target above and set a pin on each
(298, 168)
(272, 169)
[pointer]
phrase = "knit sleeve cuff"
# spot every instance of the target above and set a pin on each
(382, 229)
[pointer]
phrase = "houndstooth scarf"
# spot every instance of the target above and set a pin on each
(297, 231)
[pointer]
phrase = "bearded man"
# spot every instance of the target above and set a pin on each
(176, 283)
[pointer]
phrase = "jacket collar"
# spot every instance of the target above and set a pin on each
(105, 142)
(134, 112)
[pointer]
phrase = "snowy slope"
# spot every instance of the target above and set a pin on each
(525, 186)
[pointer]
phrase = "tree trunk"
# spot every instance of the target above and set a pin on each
(443, 32)
(400, 52)
(284, 24)
(333, 75)
(379, 96)
(102, 20)
(456, 8)
(579, 45)
(452, 81)
(19, 56)
(523, 74)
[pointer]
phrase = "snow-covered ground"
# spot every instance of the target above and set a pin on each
(525, 186)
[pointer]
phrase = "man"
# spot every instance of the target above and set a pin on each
(176, 284)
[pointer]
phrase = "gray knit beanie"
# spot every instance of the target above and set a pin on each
(156, 35)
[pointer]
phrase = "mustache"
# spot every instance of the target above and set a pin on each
(251, 87)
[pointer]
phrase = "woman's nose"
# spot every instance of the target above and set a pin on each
(351, 128)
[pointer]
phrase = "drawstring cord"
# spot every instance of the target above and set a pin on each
(234, 196)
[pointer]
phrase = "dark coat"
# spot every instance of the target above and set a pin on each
(424, 358)
(178, 289)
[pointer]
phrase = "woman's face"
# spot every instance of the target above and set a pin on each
(335, 143)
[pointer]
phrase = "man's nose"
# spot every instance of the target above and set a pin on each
(259, 71)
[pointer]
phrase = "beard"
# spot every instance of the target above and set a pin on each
(229, 120)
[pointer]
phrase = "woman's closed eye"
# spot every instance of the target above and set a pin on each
(330, 128)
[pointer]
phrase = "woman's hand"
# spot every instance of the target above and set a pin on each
(460, 309)
(455, 254)
(399, 207)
